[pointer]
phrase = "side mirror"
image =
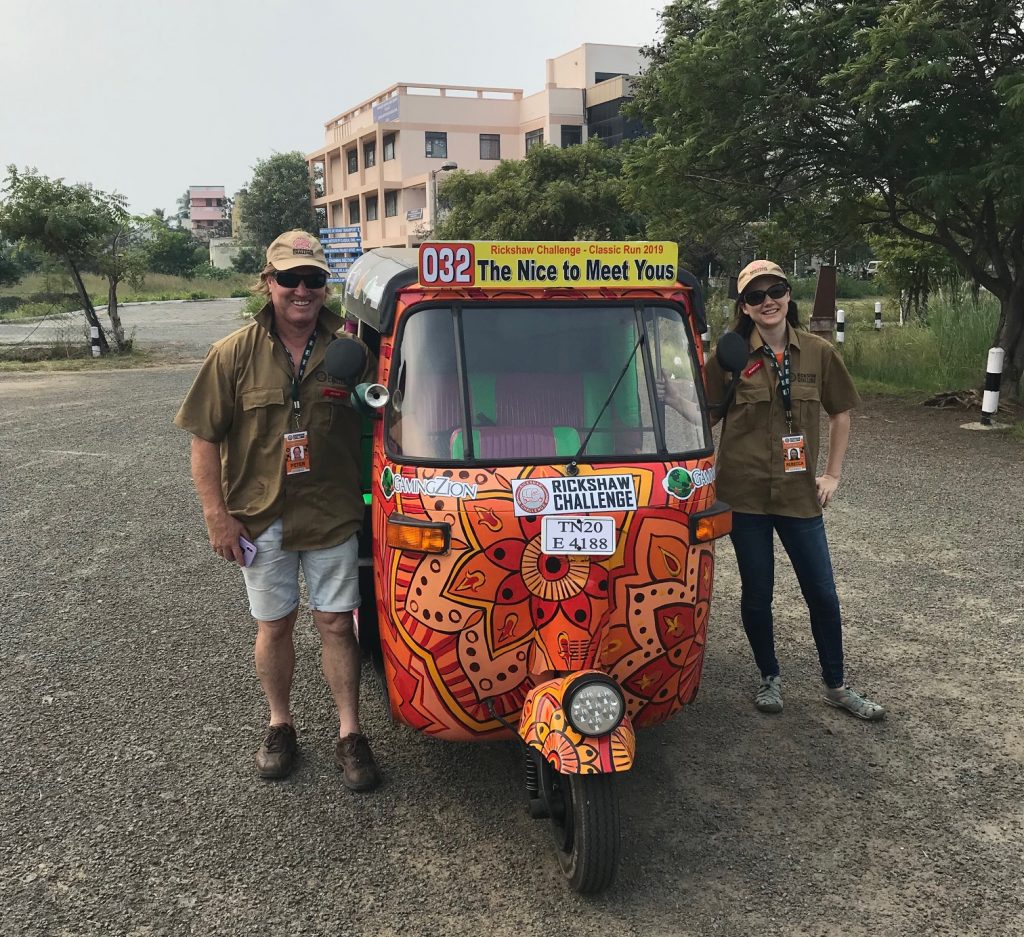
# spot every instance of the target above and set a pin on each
(345, 360)
(731, 352)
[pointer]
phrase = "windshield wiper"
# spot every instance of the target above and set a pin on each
(572, 468)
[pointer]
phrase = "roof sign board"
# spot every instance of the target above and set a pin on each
(387, 111)
(525, 264)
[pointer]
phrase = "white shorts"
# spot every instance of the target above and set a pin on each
(331, 574)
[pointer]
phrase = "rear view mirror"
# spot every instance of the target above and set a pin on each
(345, 360)
(731, 352)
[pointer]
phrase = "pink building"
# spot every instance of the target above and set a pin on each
(383, 158)
(207, 210)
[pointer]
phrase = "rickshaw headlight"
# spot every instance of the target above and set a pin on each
(594, 705)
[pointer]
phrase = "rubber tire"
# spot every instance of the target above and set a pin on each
(588, 839)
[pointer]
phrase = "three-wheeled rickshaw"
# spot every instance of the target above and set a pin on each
(539, 546)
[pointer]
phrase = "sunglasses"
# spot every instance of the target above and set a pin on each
(757, 297)
(290, 280)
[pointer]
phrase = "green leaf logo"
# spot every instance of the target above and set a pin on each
(679, 484)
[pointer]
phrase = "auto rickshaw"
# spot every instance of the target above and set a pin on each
(538, 554)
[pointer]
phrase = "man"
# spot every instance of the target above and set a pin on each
(275, 460)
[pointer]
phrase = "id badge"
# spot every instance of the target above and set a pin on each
(794, 458)
(296, 453)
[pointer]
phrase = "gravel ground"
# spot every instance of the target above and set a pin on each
(129, 713)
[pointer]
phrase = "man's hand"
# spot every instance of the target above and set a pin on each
(827, 485)
(224, 531)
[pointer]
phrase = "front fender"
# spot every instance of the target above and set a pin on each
(543, 727)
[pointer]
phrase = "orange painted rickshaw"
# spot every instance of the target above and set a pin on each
(539, 546)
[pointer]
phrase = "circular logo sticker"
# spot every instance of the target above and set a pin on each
(387, 481)
(532, 497)
(679, 484)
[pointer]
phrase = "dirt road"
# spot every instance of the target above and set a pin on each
(129, 713)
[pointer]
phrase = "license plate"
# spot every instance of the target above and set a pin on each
(564, 533)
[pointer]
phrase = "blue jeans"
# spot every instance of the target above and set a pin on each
(805, 542)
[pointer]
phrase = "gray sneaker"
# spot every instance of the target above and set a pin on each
(769, 695)
(845, 698)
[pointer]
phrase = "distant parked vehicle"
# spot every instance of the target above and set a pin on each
(872, 267)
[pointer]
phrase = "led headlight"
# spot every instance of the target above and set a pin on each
(594, 705)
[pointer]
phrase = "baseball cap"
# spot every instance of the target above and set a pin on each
(297, 249)
(755, 269)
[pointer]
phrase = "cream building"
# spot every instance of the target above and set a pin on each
(382, 159)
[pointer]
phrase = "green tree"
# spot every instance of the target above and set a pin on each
(913, 269)
(11, 270)
(172, 250)
(552, 194)
(278, 199)
(72, 223)
(902, 113)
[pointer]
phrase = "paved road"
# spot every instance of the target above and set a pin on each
(175, 329)
(129, 714)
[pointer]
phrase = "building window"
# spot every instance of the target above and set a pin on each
(490, 146)
(391, 203)
(371, 207)
(534, 138)
(605, 76)
(353, 211)
(353, 160)
(571, 136)
(369, 154)
(437, 145)
(389, 146)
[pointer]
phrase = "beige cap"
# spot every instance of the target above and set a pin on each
(755, 269)
(297, 249)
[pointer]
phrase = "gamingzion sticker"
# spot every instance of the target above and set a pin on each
(441, 486)
(681, 483)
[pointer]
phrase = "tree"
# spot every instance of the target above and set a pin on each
(70, 222)
(278, 199)
(172, 250)
(902, 113)
(11, 270)
(552, 194)
(913, 268)
(124, 257)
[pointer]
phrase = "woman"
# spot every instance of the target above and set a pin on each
(766, 464)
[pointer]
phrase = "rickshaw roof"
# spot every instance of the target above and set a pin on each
(376, 277)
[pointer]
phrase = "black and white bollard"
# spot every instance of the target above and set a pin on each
(94, 337)
(990, 399)
(878, 317)
(993, 375)
(840, 327)
(725, 312)
(705, 340)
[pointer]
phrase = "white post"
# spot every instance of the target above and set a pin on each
(706, 339)
(993, 372)
(840, 327)
(94, 338)
(725, 311)
(878, 317)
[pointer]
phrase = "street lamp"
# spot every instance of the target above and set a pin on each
(447, 166)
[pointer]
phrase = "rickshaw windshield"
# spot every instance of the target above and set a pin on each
(529, 383)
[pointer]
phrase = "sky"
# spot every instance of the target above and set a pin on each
(147, 97)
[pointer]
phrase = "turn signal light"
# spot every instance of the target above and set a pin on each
(407, 533)
(711, 524)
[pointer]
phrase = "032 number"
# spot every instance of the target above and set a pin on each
(451, 265)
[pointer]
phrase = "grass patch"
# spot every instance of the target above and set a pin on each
(55, 358)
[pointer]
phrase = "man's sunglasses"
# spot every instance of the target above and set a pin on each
(757, 297)
(289, 280)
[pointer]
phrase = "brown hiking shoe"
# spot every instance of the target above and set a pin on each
(358, 769)
(276, 756)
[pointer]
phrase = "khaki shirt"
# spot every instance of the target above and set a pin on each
(750, 461)
(241, 399)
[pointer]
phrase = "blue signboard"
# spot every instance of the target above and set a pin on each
(386, 111)
(341, 247)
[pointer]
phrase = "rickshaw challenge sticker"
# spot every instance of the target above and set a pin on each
(533, 497)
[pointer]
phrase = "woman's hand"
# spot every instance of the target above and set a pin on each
(671, 392)
(827, 485)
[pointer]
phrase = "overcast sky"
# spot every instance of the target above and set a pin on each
(147, 97)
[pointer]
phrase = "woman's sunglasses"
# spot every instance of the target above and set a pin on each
(757, 297)
(290, 280)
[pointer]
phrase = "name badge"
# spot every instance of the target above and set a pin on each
(794, 458)
(296, 453)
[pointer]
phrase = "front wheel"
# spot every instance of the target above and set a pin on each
(586, 830)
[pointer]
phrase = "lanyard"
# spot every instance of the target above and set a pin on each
(784, 381)
(297, 375)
